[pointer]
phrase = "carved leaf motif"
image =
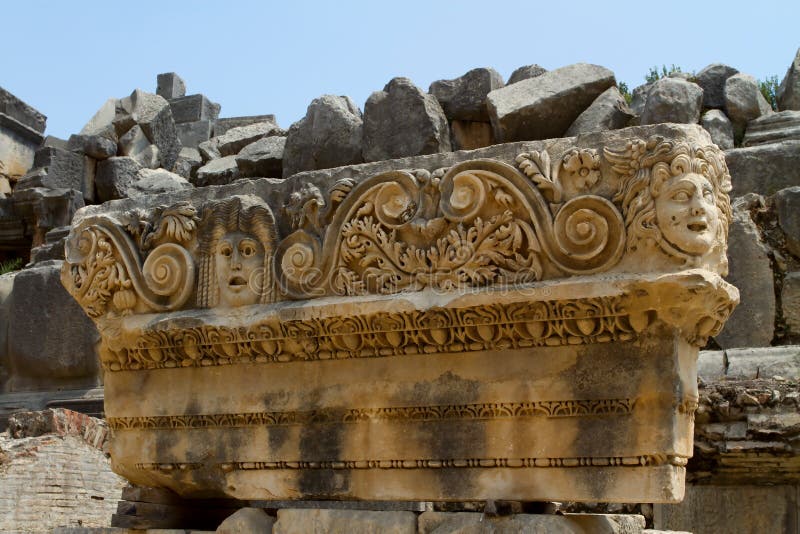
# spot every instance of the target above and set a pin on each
(177, 224)
(536, 166)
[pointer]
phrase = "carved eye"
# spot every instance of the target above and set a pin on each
(708, 194)
(247, 250)
(226, 250)
(681, 196)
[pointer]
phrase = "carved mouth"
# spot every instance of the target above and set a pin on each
(237, 282)
(697, 226)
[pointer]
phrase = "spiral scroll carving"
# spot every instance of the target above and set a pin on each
(169, 270)
(589, 231)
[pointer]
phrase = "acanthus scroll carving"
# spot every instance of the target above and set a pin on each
(476, 224)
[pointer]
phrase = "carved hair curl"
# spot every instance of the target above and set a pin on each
(645, 168)
(246, 214)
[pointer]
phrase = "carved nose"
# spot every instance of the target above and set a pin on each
(236, 261)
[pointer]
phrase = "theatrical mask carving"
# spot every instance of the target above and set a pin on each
(674, 196)
(237, 240)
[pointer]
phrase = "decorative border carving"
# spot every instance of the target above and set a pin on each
(503, 410)
(488, 327)
(460, 463)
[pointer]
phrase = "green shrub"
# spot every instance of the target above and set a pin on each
(626, 93)
(10, 265)
(769, 88)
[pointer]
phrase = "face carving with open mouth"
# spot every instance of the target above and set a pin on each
(239, 258)
(687, 213)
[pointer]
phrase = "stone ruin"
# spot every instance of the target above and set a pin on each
(358, 278)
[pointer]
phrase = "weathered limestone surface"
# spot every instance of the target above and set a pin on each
(402, 120)
(169, 85)
(464, 98)
(787, 206)
(752, 323)
(223, 125)
(764, 169)
(673, 100)
(788, 93)
(193, 108)
(264, 158)
(712, 80)
(452, 523)
(744, 101)
(545, 106)
(773, 128)
(38, 353)
(609, 111)
(13, 107)
(344, 521)
(328, 136)
(719, 126)
(724, 509)
(252, 520)
(346, 332)
(525, 72)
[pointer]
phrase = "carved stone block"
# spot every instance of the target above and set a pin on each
(518, 328)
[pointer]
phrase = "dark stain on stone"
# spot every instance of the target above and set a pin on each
(322, 442)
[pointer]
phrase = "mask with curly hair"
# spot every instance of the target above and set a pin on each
(674, 195)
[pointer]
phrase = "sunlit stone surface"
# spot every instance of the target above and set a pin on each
(521, 327)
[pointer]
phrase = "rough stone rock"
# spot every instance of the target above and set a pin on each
(464, 98)
(51, 341)
(43, 209)
(328, 136)
(545, 106)
(54, 168)
(402, 120)
(469, 135)
(114, 175)
(747, 508)
(752, 323)
(6, 288)
(235, 139)
(712, 79)
(193, 108)
(53, 247)
(787, 206)
(89, 174)
(155, 181)
(189, 160)
(153, 114)
(247, 521)
(764, 169)
(136, 145)
(96, 146)
(191, 134)
(525, 72)
(20, 111)
(102, 123)
(719, 126)
(609, 111)
(223, 125)
(790, 302)
(673, 100)
(5, 186)
(639, 98)
(788, 93)
(758, 362)
(18, 144)
(169, 85)
(295, 521)
(744, 101)
(217, 171)
(55, 142)
(264, 158)
(466, 522)
(772, 128)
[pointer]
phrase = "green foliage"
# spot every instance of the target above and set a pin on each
(625, 91)
(769, 88)
(654, 75)
(10, 265)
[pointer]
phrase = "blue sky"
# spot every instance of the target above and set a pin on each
(67, 57)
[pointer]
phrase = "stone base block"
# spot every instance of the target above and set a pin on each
(725, 509)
